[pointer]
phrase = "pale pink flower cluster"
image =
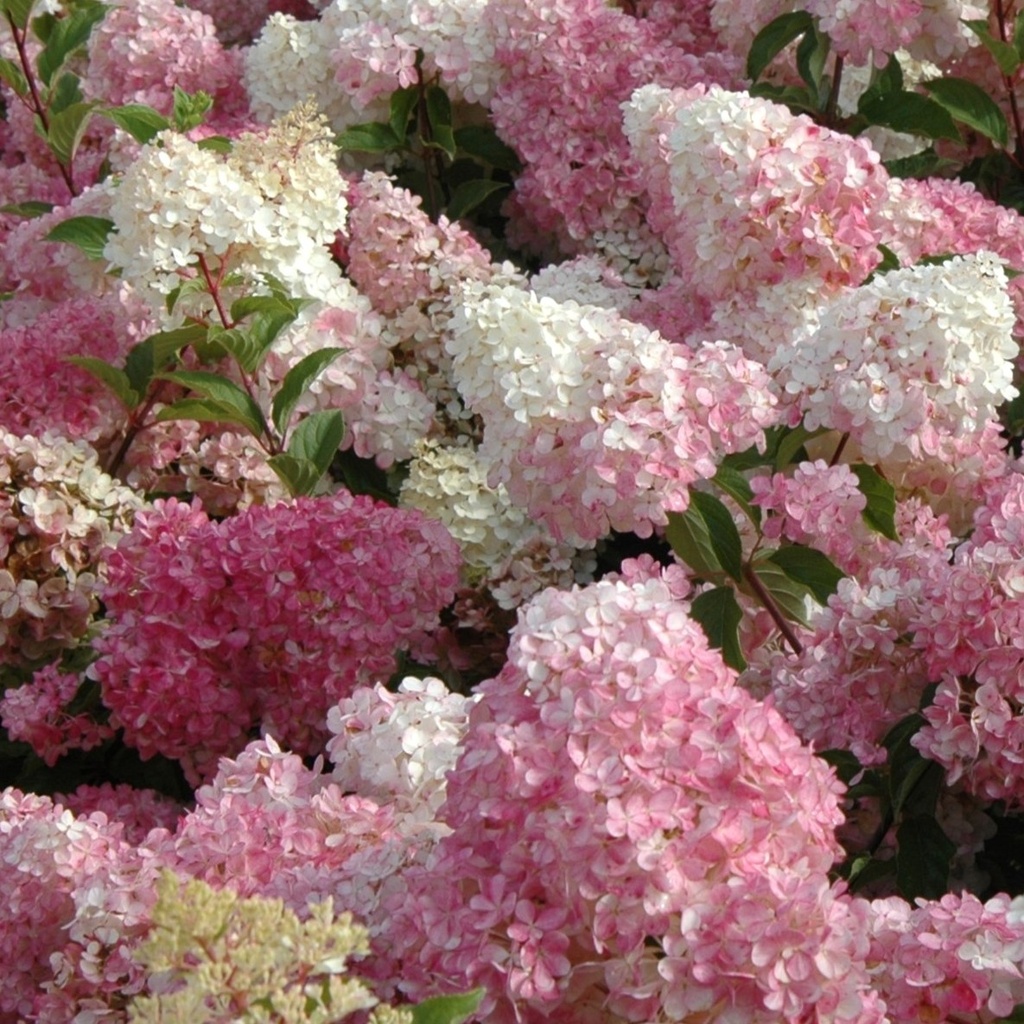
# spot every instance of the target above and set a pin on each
(755, 195)
(593, 422)
(142, 50)
(268, 617)
(633, 834)
(60, 515)
(397, 748)
(915, 356)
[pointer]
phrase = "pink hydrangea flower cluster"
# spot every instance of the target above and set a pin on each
(266, 618)
(633, 834)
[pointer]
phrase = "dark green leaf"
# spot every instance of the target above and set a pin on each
(67, 91)
(884, 81)
(17, 11)
(736, 485)
(866, 870)
(687, 535)
(880, 511)
(225, 393)
(12, 75)
(206, 410)
(810, 567)
(971, 105)
(278, 304)
(791, 444)
(1006, 57)
(447, 1009)
(300, 476)
(297, 381)
(482, 143)
(912, 113)
(469, 195)
(190, 109)
(889, 261)
(845, 762)
(189, 287)
(318, 438)
(722, 533)
(914, 780)
(374, 137)
(68, 35)
(29, 210)
(142, 123)
(1017, 1014)
(773, 39)
(439, 114)
(799, 99)
(152, 355)
(403, 102)
(811, 55)
(926, 164)
(116, 380)
(718, 613)
(923, 856)
(86, 233)
(67, 128)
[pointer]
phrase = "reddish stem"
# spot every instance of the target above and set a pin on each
(773, 610)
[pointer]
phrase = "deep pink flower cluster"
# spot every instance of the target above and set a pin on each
(267, 618)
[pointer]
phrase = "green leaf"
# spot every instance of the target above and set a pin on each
(152, 355)
(773, 39)
(142, 123)
(68, 35)
(67, 128)
(880, 512)
(811, 55)
(866, 870)
(1006, 56)
(403, 102)
(809, 567)
(799, 99)
(86, 233)
(216, 144)
(29, 210)
(300, 476)
(791, 443)
(1017, 1014)
(884, 81)
(889, 261)
(225, 393)
(205, 410)
(190, 109)
(923, 855)
(297, 380)
(469, 195)
(971, 105)
(845, 762)
(12, 75)
(926, 164)
(722, 533)
(373, 137)
(718, 613)
(736, 485)
(277, 304)
(439, 114)
(189, 287)
(481, 142)
(913, 113)
(907, 767)
(788, 594)
(66, 92)
(110, 376)
(687, 535)
(448, 1009)
(17, 11)
(317, 438)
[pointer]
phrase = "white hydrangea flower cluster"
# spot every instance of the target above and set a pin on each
(398, 748)
(586, 279)
(914, 357)
(592, 422)
(271, 205)
(501, 545)
(59, 512)
(293, 59)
